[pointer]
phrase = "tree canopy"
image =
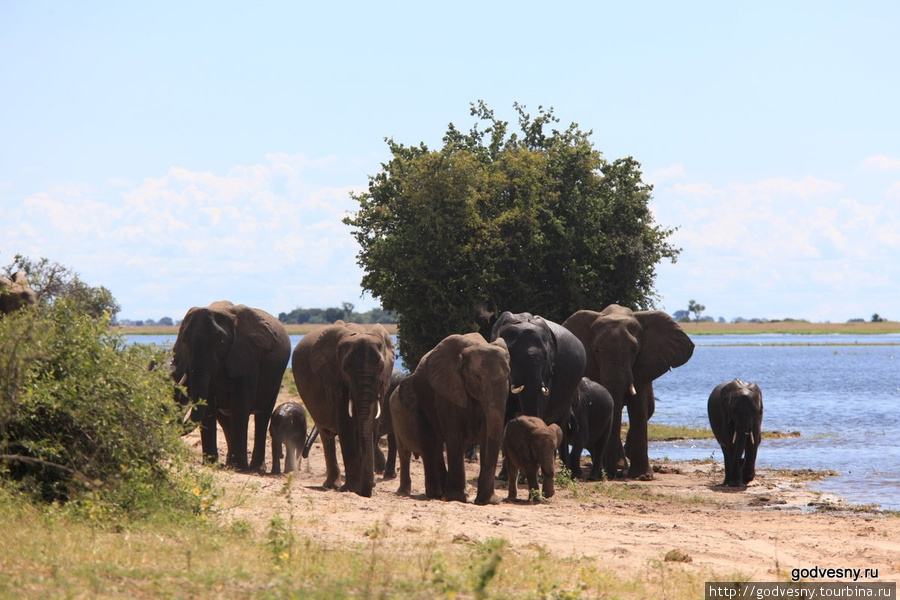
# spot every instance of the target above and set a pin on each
(534, 220)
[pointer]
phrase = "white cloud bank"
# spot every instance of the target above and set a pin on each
(782, 248)
(261, 234)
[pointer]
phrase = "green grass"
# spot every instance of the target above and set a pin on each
(51, 552)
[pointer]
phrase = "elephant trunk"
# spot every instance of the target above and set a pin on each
(366, 400)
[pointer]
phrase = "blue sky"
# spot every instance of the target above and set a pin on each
(185, 152)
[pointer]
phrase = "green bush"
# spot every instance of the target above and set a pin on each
(85, 417)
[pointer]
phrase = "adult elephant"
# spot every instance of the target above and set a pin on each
(233, 357)
(342, 372)
(455, 397)
(546, 363)
(15, 293)
(735, 411)
(626, 351)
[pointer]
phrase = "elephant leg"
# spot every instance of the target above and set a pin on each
(405, 481)
(208, 437)
(574, 463)
(390, 465)
(749, 467)
(636, 445)
(511, 485)
(455, 489)
(260, 425)
(379, 458)
(489, 452)
(237, 442)
(532, 477)
(549, 484)
(596, 451)
(276, 456)
(433, 462)
(613, 453)
(332, 471)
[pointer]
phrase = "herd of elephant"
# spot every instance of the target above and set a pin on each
(537, 389)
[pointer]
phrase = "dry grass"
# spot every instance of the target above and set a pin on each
(794, 327)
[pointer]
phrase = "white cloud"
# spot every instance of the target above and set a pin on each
(252, 234)
(666, 174)
(758, 249)
(881, 163)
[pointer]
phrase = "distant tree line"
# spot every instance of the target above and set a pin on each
(325, 316)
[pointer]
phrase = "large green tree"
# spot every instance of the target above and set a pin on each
(534, 220)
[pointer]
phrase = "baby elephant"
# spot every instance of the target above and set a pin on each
(288, 429)
(590, 426)
(735, 414)
(529, 443)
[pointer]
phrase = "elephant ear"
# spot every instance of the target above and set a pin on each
(664, 346)
(554, 342)
(557, 432)
(445, 370)
(324, 357)
(508, 318)
(253, 336)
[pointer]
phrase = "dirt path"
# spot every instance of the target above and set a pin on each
(772, 527)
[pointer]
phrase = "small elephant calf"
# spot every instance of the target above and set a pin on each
(529, 443)
(288, 429)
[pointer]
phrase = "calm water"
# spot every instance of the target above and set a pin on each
(842, 397)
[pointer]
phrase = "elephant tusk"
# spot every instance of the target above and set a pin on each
(751, 439)
(350, 408)
(632, 390)
(516, 390)
(183, 379)
(545, 390)
(734, 438)
(378, 412)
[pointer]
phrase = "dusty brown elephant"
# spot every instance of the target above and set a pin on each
(529, 444)
(233, 357)
(342, 372)
(15, 293)
(455, 397)
(626, 351)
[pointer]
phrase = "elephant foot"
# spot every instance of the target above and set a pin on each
(455, 497)
(389, 475)
(493, 499)
(403, 491)
(331, 485)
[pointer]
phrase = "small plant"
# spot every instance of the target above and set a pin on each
(564, 480)
(492, 555)
(280, 540)
(536, 496)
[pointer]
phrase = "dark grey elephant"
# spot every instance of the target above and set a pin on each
(546, 363)
(388, 466)
(735, 415)
(342, 372)
(455, 397)
(530, 444)
(15, 293)
(590, 426)
(288, 432)
(233, 357)
(626, 351)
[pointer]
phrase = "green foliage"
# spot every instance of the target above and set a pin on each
(532, 221)
(83, 416)
(51, 280)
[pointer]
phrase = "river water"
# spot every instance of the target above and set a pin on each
(841, 392)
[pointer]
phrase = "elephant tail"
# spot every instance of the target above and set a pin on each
(309, 441)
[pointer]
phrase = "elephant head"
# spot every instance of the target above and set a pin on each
(532, 356)
(735, 415)
(343, 372)
(15, 293)
(626, 351)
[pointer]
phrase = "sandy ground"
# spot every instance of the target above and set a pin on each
(762, 532)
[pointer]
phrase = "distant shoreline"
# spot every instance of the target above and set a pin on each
(704, 328)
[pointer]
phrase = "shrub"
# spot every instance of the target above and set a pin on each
(83, 416)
